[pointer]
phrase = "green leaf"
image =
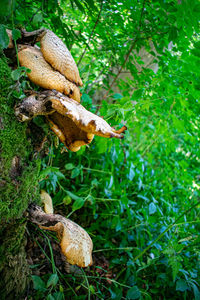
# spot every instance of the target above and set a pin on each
(197, 8)
(16, 34)
(58, 296)
(6, 7)
(44, 173)
(133, 293)
(38, 18)
(50, 297)
(67, 200)
(173, 34)
(79, 5)
(16, 74)
(152, 208)
(53, 280)
(181, 285)
(78, 204)
(69, 166)
(75, 172)
(196, 52)
(38, 283)
(4, 39)
(117, 96)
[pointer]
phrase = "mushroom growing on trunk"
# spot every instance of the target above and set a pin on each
(75, 242)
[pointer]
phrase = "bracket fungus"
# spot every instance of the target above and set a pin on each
(58, 56)
(75, 242)
(43, 74)
(54, 69)
(72, 123)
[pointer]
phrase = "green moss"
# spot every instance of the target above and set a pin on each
(13, 269)
(18, 183)
(18, 187)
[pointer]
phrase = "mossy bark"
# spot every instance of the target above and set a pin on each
(18, 187)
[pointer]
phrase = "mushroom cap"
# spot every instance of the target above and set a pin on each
(84, 119)
(47, 200)
(58, 56)
(68, 132)
(43, 74)
(75, 242)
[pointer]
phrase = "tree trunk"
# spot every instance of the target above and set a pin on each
(18, 187)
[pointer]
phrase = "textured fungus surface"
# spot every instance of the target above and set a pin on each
(75, 242)
(58, 56)
(72, 123)
(43, 74)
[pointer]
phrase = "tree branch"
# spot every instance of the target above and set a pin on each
(95, 25)
(127, 55)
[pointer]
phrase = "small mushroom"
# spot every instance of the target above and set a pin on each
(75, 242)
(43, 74)
(58, 56)
(47, 201)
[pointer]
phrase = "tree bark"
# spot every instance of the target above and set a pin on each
(18, 187)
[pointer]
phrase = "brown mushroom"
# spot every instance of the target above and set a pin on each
(72, 123)
(58, 56)
(68, 132)
(43, 74)
(83, 118)
(47, 201)
(75, 242)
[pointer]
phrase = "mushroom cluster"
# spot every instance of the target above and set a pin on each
(54, 69)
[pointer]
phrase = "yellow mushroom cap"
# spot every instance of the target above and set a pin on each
(75, 242)
(43, 74)
(58, 56)
(47, 200)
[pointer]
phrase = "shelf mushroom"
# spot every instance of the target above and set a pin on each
(58, 56)
(72, 123)
(75, 242)
(43, 74)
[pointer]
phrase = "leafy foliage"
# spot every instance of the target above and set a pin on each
(138, 198)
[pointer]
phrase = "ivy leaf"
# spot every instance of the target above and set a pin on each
(75, 172)
(15, 74)
(79, 201)
(38, 18)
